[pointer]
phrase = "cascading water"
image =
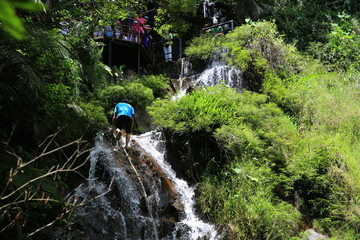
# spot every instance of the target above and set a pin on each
(207, 7)
(220, 73)
(113, 206)
(212, 10)
(186, 68)
(217, 73)
(127, 211)
(115, 214)
(152, 143)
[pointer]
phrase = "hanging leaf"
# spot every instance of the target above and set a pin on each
(30, 5)
(11, 23)
(8, 19)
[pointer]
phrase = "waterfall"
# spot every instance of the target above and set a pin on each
(112, 206)
(217, 73)
(186, 68)
(210, 10)
(206, 9)
(111, 203)
(153, 144)
(220, 73)
(112, 213)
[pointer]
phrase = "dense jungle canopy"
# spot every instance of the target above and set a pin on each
(276, 159)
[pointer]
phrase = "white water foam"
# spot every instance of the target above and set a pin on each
(220, 73)
(199, 229)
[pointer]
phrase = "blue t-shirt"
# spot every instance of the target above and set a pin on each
(124, 109)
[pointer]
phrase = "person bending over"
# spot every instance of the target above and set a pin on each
(124, 118)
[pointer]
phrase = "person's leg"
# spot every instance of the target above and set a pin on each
(120, 124)
(165, 53)
(127, 140)
(170, 53)
(128, 131)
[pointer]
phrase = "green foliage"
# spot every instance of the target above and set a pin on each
(256, 48)
(303, 22)
(203, 47)
(56, 97)
(256, 136)
(92, 118)
(242, 198)
(168, 14)
(261, 45)
(322, 161)
(254, 160)
(140, 91)
(42, 82)
(158, 84)
(10, 22)
(137, 94)
(341, 51)
(85, 64)
(201, 110)
(93, 10)
(310, 159)
(93, 114)
(174, 15)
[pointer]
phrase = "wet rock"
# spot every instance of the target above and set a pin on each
(141, 202)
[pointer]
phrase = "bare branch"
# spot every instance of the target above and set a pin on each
(14, 197)
(51, 151)
(50, 172)
(47, 225)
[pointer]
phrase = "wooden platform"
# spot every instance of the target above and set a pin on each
(122, 52)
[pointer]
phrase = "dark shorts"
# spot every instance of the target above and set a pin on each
(123, 122)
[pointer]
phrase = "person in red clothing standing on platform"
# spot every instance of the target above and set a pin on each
(138, 27)
(142, 20)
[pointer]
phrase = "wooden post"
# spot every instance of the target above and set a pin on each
(110, 54)
(138, 58)
(180, 47)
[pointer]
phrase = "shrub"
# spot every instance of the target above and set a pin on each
(57, 95)
(322, 167)
(136, 93)
(201, 110)
(341, 51)
(261, 45)
(203, 47)
(242, 199)
(256, 48)
(93, 117)
(270, 160)
(158, 84)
